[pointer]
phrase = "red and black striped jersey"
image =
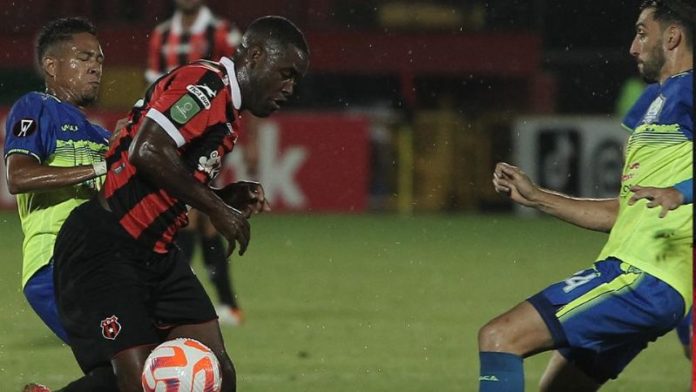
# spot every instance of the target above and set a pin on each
(209, 38)
(197, 105)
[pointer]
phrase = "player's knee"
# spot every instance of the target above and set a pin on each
(493, 337)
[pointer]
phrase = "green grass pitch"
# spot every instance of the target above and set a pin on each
(361, 303)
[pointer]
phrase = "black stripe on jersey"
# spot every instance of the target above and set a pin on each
(210, 39)
(123, 145)
(203, 146)
(163, 58)
(132, 192)
(154, 232)
(184, 39)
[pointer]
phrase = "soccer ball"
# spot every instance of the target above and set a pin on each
(181, 365)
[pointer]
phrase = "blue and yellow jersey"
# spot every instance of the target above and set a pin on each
(57, 134)
(658, 154)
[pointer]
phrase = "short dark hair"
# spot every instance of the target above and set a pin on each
(276, 28)
(61, 30)
(674, 11)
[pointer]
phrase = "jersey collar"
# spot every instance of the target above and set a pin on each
(234, 84)
(202, 20)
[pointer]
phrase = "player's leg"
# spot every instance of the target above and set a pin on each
(209, 334)
(504, 342)
(185, 310)
(217, 265)
(40, 294)
(601, 319)
(685, 333)
(563, 376)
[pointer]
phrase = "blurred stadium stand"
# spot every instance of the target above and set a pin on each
(451, 75)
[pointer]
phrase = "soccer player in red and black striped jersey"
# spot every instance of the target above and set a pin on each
(120, 287)
(193, 33)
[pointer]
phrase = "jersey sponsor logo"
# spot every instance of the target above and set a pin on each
(198, 92)
(110, 327)
(184, 109)
(488, 378)
(69, 128)
(211, 164)
(653, 112)
(24, 127)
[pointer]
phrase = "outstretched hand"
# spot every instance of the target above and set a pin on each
(234, 226)
(246, 196)
(513, 182)
(667, 198)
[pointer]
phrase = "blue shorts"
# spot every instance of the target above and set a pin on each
(41, 296)
(602, 317)
(684, 330)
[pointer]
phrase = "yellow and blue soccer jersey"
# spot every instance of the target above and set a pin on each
(658, 154)
(56, 134)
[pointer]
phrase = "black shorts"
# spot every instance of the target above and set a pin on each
(113, 293)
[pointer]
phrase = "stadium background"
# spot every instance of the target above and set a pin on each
(388, 247)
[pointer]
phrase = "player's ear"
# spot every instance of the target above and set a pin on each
(674, 36)
(48, 65)
(255, 55)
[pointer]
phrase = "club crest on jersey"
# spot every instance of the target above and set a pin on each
(24, 127)
(202, 93)
(210, 165)
(184, 109)
(110, 327)
(653, 112)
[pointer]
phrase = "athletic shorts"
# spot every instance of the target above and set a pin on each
(602, 317)
(113, 293)
(42, 298)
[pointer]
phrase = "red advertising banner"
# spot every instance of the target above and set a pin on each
(315, 162)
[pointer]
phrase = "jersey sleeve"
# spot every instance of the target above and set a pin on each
(28, 128)
(193, 101)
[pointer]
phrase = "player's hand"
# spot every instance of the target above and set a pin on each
(234, 226)
(120, 124)
(667, 198)
(246, 196)
(513, 182)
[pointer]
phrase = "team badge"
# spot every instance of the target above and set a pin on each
(653, 112)
(184, 109)
(110, 327)
(24, 127)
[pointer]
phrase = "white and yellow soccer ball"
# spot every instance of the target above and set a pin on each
(182, 365)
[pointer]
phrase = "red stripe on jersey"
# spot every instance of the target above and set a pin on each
(168, 235)
(146, 211)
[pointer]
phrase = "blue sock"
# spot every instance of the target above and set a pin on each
(501, 372)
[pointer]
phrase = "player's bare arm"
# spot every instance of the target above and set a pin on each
(246, 196)
(666, 198)
(592, 214)
(26, 174)
(155, 155)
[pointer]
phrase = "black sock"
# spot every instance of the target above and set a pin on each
(218, 270)
(186, 240)
(99, 379)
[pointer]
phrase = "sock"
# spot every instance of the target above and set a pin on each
(501, 372)
(186, 240)
(216, 263)
(100, 379)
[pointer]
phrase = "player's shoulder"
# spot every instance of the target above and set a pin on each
(680, 86)
(200, 69)
(33, 103)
